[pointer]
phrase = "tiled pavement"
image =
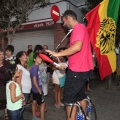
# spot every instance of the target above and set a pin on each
(107, 103)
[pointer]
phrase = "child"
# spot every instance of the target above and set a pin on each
(37, 90)
(9, 56)
(58, 93)
(14, 97)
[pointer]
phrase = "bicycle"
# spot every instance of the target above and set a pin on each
(91, 111)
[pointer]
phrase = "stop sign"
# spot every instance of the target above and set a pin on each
(55, 13)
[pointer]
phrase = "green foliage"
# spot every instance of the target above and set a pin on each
(17, 11)
(90, 5)
(93, 3)
(14, 12)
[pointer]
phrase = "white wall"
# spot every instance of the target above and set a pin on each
(44, 13)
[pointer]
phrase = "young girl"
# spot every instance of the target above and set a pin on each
(14, 98)
(56, 74)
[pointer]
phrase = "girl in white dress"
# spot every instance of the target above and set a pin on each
(56, 74)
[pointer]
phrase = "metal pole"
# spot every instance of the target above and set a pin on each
(63, 39)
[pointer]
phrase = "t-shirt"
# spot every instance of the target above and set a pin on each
(43, 72)
(25, 80)
(11, 60)
(30, 59)
(34, 72)
(13, 105)
(82, 60)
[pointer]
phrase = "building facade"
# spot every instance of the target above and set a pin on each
(42, 29)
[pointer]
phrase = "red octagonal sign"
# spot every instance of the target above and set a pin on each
(55, 13)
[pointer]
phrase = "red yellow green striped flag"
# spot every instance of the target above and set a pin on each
(102, 21)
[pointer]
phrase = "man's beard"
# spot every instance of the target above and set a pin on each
(68, 27)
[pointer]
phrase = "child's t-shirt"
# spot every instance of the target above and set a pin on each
(16, 105)
(34, 72)
(43, 72)
(11, 61)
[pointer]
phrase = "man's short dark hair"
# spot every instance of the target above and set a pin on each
(10, 48)
(29, 46)
(69, 13)
(35, 55)
(38, 47)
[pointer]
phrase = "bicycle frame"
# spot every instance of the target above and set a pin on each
(81, 114)
(90, 107)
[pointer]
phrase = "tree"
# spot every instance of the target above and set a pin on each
(90, 5)
(14, 12)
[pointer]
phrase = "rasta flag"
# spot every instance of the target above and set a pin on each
(102, 21)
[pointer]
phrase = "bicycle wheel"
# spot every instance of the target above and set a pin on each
(91, 114)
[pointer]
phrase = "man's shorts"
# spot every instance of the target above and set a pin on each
(74, 89)
(38, 97)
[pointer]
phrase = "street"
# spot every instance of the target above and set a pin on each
(106, 103)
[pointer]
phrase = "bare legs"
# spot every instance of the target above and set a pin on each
(34, 106)
(84, 105)
(57, 95)
(41, 109)
(74, 111)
